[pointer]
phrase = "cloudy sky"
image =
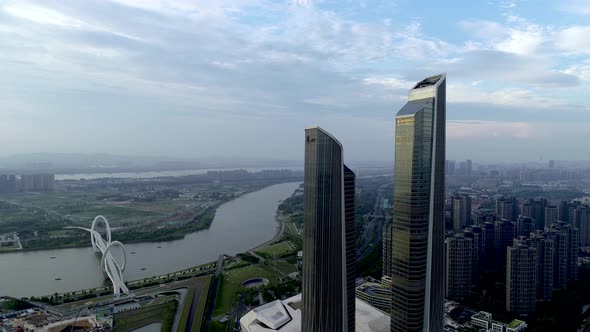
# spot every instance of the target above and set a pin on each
(239, 78)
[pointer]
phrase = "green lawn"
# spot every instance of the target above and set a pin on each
(81, 211)
(85, 301)
(284, 267)
(278, 249)
(115, 214)
(11, 248)
(292, 229)
(161, 300)
(232, 284)
(205, 283)
(158, 206)
(134, 319)
(202, 303)
(185, 311)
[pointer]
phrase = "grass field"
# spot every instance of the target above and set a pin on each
(200, 310)
(159, 207)
(84, 302)
(292, 229)
(161, 300)
(284, 267)
(186, 310)
(232, 283)
(134, 319)
(278, 249)
(33, 208)
(202, 303)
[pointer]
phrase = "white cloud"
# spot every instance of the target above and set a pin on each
(325, 101)
(507, 4)
(486, 129)
(574, 39)
(520, 36)
(582, 71)
(498, 66)
(516, 35)
(577, 7)
(42, 15)
(523, 41)
(304, 3)
(519, 98)
(191, 9)
(483, 29)
(390, 82)
(258, 61)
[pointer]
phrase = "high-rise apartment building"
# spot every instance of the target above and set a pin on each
(468, 168)
(418, 270)
(524, 226)
(565, 262)
(507, 208)
(328, 236)
(528, 209)
(505, 234)
(450, 167)
(481, 218)
(476, 234)
(489, 245)
(545, 256)
(559, 260)
(12, 186)
(3, 183)
(563, 211)
(459, 270)
(581, 220)
(37, 182)
(539, 216)
(461, 212)
(521, 278)
(550, 215)
(573, 248)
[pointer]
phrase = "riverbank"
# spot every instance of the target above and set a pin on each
(278, 236)
(138, 210)
(200, 222)
(239, 225)
(191, 272)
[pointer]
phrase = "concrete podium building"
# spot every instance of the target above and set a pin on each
(285, 316)
(417, 267)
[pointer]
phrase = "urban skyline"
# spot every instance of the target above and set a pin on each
(420, 205)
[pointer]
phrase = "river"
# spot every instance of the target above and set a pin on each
(239, 225)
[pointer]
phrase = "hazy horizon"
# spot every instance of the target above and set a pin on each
(243, 79)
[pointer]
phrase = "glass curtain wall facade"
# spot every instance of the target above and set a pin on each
(329, 260)
(418, 271)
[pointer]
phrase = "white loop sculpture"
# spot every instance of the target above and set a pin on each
(111, 267)
(107, 230)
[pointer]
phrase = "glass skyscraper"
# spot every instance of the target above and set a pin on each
(329, 259)
(418, 273)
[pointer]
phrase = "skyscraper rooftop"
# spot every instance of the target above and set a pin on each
(429, 81)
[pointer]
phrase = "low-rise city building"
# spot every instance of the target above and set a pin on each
(9, 240)
(285, 316)
(375, 293)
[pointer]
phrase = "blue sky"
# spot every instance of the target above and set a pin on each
(244, 78)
